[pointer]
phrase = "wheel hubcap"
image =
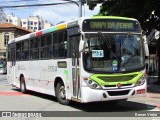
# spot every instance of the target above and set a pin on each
(62, 92)
(22, 85)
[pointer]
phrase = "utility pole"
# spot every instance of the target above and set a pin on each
(79, 4)
(82, 2)
(80, 9)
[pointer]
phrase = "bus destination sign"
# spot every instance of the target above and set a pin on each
(108, 25)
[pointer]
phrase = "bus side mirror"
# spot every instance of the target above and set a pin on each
(81, 45)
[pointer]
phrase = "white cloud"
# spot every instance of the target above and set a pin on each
(60, 13)
(54, 14)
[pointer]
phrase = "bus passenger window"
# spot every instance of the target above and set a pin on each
(18, 51)
(46, 42)
(60, 44)
(54, 53)
(34, 50)
(25, 50)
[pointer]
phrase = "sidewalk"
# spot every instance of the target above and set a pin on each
(151, 85)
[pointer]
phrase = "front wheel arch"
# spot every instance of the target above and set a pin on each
(61, 92)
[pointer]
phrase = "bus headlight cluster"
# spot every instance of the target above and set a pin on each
(92, 84)
(141, 81)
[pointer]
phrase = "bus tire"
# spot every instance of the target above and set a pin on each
(23, 85)
(61, 94)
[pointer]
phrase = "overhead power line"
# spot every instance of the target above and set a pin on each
(34, 5)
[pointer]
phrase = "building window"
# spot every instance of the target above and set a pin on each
(6, 39)
(35, 28)
(24, 23)
(35, 23)
(30, 22)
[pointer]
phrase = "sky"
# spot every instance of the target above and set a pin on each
(53, 14)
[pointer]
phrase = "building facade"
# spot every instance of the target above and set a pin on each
(33, 23)
(9, 31)
(3, 16)
(14, 20)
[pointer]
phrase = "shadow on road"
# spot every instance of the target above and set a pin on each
(122, 106)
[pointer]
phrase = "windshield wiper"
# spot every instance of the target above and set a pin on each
(128, 60)
(105, 40)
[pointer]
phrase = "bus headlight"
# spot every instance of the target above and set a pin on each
(92, 84)
(140, 82)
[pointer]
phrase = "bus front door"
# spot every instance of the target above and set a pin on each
(74, 52)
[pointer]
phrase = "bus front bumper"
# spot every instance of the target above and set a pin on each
(93, 95)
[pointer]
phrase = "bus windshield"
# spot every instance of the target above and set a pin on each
(113, 52)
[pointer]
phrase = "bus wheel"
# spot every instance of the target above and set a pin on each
(61, 94)
(23, 85)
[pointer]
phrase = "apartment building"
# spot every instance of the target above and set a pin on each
(33, 23)
(3, 16)
(14, 20)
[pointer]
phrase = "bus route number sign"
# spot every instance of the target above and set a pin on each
(97, 53)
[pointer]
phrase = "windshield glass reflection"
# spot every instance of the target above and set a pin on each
(113, 52)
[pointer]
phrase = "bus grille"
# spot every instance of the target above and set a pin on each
(122, 85)
(118, 93)
(117, 78)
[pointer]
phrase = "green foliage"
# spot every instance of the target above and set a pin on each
(139, 9)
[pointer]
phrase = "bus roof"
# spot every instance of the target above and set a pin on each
(113, 17)
(65, 25)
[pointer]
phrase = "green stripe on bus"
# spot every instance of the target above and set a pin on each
(112, 17)
(66, 73)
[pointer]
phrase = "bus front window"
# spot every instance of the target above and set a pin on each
(113, 52)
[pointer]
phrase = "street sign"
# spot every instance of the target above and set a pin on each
(157, 35)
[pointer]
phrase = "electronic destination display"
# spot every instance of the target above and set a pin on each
(110, 25)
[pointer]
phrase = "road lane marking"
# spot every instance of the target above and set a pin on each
(9, 93)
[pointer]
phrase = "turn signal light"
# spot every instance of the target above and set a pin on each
(85, 78)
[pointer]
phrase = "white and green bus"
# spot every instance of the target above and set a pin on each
(85, 60)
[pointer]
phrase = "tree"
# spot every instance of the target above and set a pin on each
(147, 12)
(139, 9)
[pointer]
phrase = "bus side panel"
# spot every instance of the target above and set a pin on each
(22, 68)
(50, 70)
(34, 75)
